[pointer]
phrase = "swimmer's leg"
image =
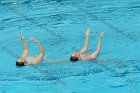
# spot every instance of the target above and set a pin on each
(26, 50)
(95, 54)
(41, 55)
(86, 42)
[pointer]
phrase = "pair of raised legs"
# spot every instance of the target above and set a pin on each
(80, 55)
(24, 59)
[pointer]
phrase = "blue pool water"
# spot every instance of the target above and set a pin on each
(60, 26)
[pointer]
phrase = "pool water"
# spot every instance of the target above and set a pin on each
(60, 26)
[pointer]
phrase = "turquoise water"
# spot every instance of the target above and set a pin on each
(60, 26)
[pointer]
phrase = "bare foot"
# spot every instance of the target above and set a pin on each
(21, 38)
(102, 34)
(32, 38)
(88, 32)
